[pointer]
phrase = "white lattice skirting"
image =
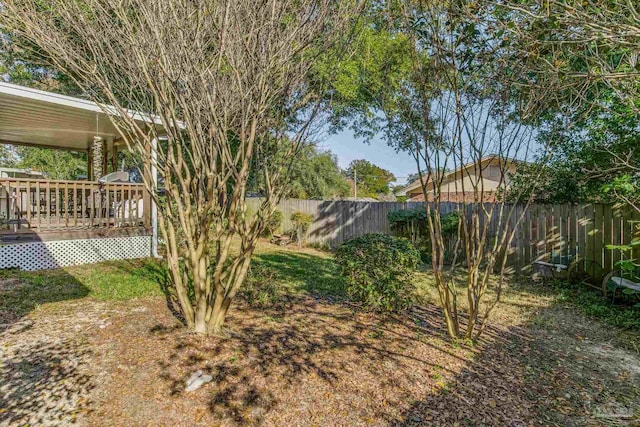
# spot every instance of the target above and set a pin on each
(62, 253)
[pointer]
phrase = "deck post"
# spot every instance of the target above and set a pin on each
(114, 158)
(89, 164)
(154, 207)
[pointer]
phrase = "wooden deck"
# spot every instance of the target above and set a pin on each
(48, 209)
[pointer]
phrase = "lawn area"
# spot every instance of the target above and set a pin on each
(98, 345)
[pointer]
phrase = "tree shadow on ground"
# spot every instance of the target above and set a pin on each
(308, 341)
(551, 370)
(539, 375)
(40, 379)
(156, 271)
(21, 292)
(314, 350)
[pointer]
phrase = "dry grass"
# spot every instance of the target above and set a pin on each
(520, 299)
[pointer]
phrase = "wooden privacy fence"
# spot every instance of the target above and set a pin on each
(546, 231)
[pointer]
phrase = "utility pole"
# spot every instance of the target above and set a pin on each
(355, 183)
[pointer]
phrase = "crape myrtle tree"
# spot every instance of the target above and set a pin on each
(449, 101)
(222, 85)
(457, 109)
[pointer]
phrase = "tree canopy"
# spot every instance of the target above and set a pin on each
(440, 81)
(56, 164)
(583, 57)
(373, 181)
(22, 66)
(316, 175)
(7, 156)
(227, 81)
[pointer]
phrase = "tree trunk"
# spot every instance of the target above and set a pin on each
(200, 326)
(217, 320)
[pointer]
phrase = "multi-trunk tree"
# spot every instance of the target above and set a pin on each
(448, 100)
(220, 89)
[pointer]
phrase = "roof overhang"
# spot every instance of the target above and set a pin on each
(50, 120)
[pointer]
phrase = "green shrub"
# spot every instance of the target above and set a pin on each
(401, 219)
(273, 223)
(624, 314)
(449, 222)
(321, 246)
(301, 222)
(413, 225)
(378, 270)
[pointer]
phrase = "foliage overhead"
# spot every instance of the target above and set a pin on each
(584, 75)
(25, 64)
(577, 53)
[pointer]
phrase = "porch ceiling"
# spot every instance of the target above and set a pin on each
(38, 118)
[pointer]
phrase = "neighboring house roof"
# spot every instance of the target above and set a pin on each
(417, 184)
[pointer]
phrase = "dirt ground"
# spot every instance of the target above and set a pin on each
(309, 362)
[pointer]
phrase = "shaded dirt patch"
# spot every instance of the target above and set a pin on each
(45, 371)
(311, 363)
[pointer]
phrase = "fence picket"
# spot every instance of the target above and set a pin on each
(583, 230)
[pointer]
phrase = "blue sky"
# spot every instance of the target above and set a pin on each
(348, 148)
